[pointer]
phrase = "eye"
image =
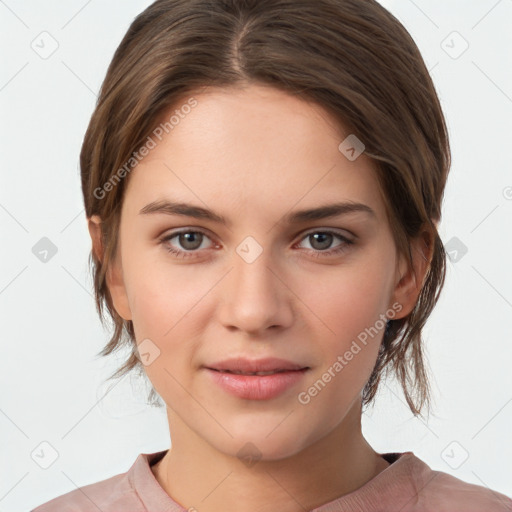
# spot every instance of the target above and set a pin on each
(322, 240)
(190, 240)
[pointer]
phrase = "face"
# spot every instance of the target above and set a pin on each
(254, 286)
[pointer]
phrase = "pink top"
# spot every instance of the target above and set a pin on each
(407, 485)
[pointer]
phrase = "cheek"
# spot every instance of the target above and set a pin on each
(349, 302)
(350, 308)
(167, 305)
(162, 304)
(162, 294)
(349, 334)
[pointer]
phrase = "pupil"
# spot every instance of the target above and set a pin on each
(188, 238)
(325, 243)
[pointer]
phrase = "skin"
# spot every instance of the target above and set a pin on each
(254, 155)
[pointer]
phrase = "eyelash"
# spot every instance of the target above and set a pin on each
(315, 253)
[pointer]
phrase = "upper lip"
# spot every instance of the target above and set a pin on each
(269, 364)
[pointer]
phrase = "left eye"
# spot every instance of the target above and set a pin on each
(324, 239)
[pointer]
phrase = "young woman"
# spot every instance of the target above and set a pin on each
(263, 181)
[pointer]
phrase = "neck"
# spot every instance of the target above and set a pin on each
(199, 477)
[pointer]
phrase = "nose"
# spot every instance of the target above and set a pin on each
(255, 296)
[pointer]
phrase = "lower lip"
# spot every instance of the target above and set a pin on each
(257, 387)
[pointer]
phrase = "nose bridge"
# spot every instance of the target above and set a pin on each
(251, 273)
(256, 298)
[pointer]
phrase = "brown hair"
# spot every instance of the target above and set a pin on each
(351, 57)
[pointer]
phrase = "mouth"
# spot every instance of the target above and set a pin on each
(244, 366)
(239, 372)
(261, 379)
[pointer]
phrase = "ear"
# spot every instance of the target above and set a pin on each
(114, 275)
(409, 280)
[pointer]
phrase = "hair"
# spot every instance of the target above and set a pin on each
(351, 57)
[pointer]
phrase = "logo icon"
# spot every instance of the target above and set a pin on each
(44, 455)
(351, 147)
(456, 249)
(45, 45)
(454, 45)
(249, 249)
(147, 352)
(455, 455)
(44, 250)
(249, 454)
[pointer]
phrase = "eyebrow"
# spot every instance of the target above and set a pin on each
(318, 213)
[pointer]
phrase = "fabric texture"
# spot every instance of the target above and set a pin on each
(406, 485)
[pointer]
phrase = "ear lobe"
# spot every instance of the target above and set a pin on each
(411, 280)
(114, 275)
(117, 289)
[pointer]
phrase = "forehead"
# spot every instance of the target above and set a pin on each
(258, 146)
(250, 118)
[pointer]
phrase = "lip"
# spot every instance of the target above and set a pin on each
(242, 364)
(286, 374)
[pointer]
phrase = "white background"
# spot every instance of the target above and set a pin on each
(52, 380)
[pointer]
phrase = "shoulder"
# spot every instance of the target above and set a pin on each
(108, 495)
(116, 493)
(442, 492)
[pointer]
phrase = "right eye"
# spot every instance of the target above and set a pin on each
(190, 240)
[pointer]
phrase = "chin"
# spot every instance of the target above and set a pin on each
(269, 441)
